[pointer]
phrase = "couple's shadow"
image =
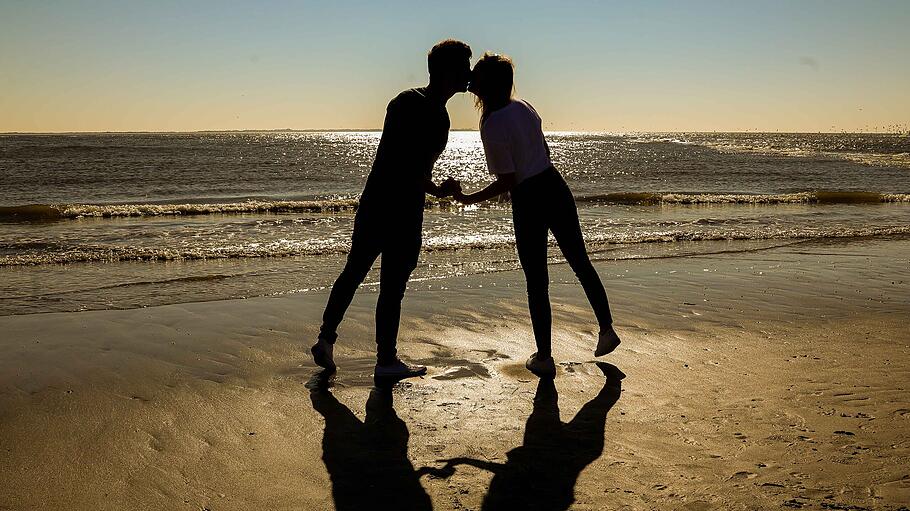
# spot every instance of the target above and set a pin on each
(368, 464)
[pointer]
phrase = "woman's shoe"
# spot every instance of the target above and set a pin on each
(543, 368)
(607, 342)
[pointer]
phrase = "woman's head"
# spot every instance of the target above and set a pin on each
(492, 81)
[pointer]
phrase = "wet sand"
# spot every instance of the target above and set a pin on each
(768, 379)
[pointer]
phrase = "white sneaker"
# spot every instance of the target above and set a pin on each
(399, 369)
(542, 368)
(322, 354)
(607, 342)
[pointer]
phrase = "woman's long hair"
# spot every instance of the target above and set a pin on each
(492, 83)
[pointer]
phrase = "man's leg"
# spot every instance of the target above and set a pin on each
(364, 251)
(399, 258)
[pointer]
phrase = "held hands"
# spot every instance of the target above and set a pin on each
(451, 187)
(448, 470)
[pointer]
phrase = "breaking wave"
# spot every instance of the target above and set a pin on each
(38, 255)
(820, 197)
(73, 211)
(39, 212)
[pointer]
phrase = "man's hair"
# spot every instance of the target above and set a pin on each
(447, 54)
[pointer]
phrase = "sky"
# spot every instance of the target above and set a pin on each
(793, 65)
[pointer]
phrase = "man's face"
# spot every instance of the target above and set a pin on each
(463, 76)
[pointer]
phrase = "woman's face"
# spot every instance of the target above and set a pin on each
(476, 82)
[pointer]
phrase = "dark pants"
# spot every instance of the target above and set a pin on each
(376, 234)
(540, 204)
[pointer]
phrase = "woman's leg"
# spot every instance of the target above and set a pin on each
(567, 231)
(531, 243)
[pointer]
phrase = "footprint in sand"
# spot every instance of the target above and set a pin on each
(493, 354)
(894, 491)
(698, 505)
(458, 372)
(570, 367)
(516, 371)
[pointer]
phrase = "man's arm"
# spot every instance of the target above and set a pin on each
(403, 127)
(439, 191)
(503, 184)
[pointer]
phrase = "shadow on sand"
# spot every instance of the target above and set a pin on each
(367, 461)
(541, 474)
(368, 465)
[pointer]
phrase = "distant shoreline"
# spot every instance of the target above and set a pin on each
(378, 130)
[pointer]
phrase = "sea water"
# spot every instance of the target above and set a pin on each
(108, 221)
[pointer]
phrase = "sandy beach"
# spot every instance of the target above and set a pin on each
(746, 380)
(191, 194)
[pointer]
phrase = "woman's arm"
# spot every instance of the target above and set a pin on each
(503, 184)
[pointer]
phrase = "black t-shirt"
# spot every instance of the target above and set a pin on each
(414, 134)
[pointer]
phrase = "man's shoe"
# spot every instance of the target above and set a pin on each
(322, 354)
(543, 368)
(399, 369)
(607, 342)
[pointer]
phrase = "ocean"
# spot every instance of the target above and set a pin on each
(116, 221)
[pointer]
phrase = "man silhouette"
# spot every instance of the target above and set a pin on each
(367, 460)
(389, 221)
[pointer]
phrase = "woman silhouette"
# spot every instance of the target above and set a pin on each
(518, 155)
(541, 473)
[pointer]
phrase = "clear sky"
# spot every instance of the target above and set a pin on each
(790, 65)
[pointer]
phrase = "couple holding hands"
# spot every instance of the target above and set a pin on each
(389, 219)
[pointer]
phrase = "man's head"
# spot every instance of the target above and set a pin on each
(449, 63)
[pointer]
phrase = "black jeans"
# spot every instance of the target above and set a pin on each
(397, 239)
(540, 204)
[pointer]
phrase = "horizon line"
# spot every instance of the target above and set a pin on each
(379, 130)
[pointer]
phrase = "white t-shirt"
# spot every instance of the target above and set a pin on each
(513, 141)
